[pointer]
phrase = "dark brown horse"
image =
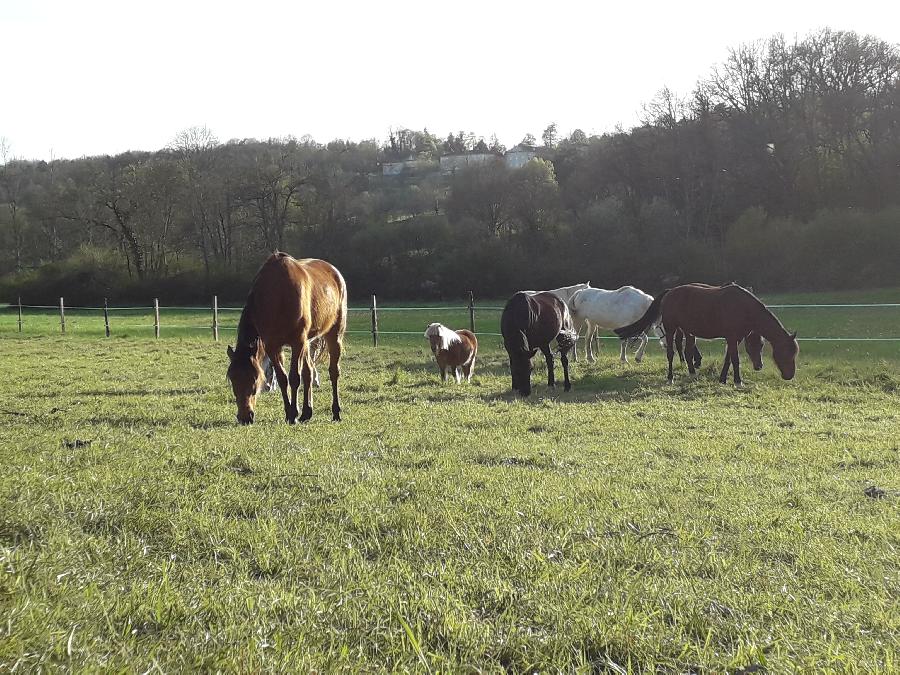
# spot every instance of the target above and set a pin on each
(291, 302)
(453, 349)
(532, 322)
(729, 312)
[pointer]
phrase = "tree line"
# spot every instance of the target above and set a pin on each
(780, 170)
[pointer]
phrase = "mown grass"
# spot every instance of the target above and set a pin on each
(626, 525)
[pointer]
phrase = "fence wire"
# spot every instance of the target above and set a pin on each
(77, 321)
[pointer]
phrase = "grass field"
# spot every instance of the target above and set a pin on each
(624, 526)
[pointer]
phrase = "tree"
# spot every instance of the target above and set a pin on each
(549, 135)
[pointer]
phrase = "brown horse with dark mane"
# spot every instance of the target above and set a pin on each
(691, 354)
(291, 302)
(729, 312)
(530, 323)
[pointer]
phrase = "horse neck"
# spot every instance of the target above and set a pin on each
(246, 331)
(768, 325)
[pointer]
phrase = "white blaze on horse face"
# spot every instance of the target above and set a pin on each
(442, 336)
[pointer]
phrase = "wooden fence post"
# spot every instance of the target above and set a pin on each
(20, 313)
(62, 316)
(374, 322)
(216, 318)
(471, 311)
(106, 316)
(156, 316)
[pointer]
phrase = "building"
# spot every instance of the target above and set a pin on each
(519, 156)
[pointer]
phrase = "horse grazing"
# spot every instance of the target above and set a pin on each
(729, 312)
(566, 293)
(454, 349)
(291, 303)
(599, 308)
(532, 322)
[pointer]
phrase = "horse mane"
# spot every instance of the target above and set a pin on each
(246, 331)
(446, 335)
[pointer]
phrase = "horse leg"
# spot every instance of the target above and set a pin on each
(291, 408)
(623, 351)
(679, 344)
(670, 351)
(548, 354)
(306, 372)
(468, 368)
(640, 352)
(697, 356)
(736, 365)
(723, 376)
(689, 347)
(564, 359)
(334, 371)
(442, 364)
(588, 342)
(282, 379)
(457, 375)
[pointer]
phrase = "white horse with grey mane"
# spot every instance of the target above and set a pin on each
(566, 293)
(316, 350)
(598, 308)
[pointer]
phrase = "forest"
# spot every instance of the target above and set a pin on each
(780, 170)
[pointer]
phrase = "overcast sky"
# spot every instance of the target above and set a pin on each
(86, 77)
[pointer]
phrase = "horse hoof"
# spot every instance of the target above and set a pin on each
(670, 381)
(568, 387)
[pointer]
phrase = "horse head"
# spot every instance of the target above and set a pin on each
(246, 377)
(753, 343)
(784, 353)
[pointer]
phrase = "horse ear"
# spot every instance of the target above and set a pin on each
(230, 352)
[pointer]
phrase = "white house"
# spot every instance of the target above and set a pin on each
(519, 156)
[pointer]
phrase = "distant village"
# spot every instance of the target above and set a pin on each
(449, 164)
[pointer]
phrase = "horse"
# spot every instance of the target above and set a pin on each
(599, 308)
(532, 322)
(290, 303)
(730, 312)
(454, 349)
(316, 350)
(753, 343)
(565, 293)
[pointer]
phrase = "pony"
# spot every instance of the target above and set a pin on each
(529, 323)
(290, 303)
(565, 293)
(454, 349)
(728, 311)
(599, 308)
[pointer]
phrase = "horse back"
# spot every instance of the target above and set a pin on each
(728, 311)
(292, 296)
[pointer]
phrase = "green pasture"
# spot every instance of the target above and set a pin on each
(625, 526)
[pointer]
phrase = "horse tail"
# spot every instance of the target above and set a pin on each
(642, 324)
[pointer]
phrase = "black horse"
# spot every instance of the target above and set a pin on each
(532, 322)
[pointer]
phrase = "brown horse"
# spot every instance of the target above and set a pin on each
(730, 312)
(453, 349)
(291, 302)
(532, 322)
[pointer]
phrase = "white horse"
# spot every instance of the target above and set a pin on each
(317, 349)
(598, 308)
(566, 293)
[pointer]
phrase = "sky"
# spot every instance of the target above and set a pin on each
(102, 77)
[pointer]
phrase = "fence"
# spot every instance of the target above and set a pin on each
(847, 320)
